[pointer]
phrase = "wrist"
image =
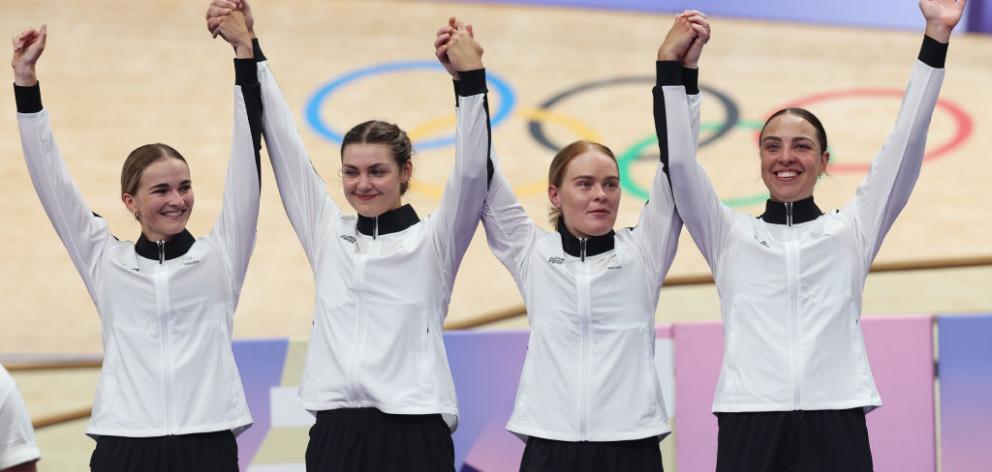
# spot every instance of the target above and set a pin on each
(666, 55)
(243, 49)
(939, 32)
(25, 76)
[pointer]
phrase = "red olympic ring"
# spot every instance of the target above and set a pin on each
(961, 118)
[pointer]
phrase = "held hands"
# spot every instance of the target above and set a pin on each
(28, 47)
(942, 16)
(232, 20)
(679, 39)
(702, 28)
(457, 49)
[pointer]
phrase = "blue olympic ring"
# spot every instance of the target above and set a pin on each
(312, 110)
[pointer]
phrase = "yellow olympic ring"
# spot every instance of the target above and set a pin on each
(537, 186)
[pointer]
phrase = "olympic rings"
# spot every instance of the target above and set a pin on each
(731, 112)
(543, 116)
(961, 119)
(627, 157)
(313, 106)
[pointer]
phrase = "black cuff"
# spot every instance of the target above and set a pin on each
(245, 72)
(668, 73)
(691, 79)
(28, 98)
(471, 82)
(933, 53)
(259, 56)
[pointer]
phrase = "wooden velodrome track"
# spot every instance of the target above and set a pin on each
(116, 75)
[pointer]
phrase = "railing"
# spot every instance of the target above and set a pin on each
(704, 279)
(64, 417)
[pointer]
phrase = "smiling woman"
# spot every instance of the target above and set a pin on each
(169, 397)
(156, 189)
(795, 374)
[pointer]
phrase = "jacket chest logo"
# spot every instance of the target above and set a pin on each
(614, 267)
(188, 261)
(349, 238)
(760, 241)
(556, 260)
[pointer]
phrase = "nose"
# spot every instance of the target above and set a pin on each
(176, 199)
(364, 182)
(600, 194)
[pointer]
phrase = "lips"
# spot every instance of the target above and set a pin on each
(365, 198)
(788, 175)
(173, 213)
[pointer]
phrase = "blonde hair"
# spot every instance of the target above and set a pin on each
(556, 173)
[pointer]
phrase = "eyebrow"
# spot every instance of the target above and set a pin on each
(166, 185)
(590, 177)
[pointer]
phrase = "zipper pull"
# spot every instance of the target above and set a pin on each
(582, 248)
(788, 214)
(161, 251)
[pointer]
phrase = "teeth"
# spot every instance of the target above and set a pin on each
(787, 174)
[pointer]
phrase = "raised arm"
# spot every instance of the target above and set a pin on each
(235, 229)
(83, 233)
(695, 199)
(303, 193)
(506, 223)
(456, 219)
(660, 224)
(893, 173)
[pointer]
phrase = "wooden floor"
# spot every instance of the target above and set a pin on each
(116, 76)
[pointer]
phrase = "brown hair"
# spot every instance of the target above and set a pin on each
(556, 173)
(821, 134)
(140, 159)
(381, 132)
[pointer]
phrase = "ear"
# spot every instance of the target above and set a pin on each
(407, 171)
(553, 196)
(824, 160)
(128, 200)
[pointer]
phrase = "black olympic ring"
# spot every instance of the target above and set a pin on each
(536, 127)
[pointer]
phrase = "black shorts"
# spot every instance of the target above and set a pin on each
(202, 452)
(366, 439)
(784, 441)
(547, 455)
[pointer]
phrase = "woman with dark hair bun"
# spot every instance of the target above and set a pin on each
(589, 397)
(795, 384)
(170, 396)
(376, 374)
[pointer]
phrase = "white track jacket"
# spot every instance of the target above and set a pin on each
(166, 308)
(589, 374)
(382, 284)
(791, 280)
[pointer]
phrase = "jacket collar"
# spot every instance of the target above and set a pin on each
(593, 246)
(177, 246)
(392, 221)
(790, 213)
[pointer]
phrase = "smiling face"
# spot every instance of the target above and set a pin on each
(372, 179)
(792, 157)
(588, 194)
(163, 199)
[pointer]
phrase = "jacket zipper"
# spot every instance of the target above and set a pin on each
(163, 314)
(375, 229)
(788, 214)
(584, 323)
(792, 273)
